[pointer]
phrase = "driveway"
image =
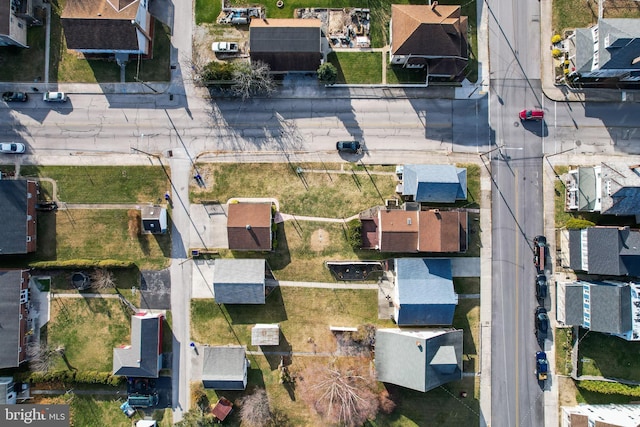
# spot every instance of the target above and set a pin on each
(209, 225)
(155, 290)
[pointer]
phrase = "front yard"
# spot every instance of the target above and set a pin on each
(608, 356)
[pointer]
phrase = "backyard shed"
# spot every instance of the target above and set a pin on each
(225, 367)
(154, 219)
(262, 334)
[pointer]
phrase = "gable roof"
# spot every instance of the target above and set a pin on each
(14, 225)
(249, 226)
(443, 231)
(101, 24)
(224, 367)
(239, 281)
(434, 30)
(435, 183)
(10, 311)
(141, 358)
(609, 306)
(424, 291)
(286, 44)
(398, 230)
(620, 189)
(608, 251)
(419, 359)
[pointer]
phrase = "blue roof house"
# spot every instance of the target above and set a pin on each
(423, 294)
(434, 183)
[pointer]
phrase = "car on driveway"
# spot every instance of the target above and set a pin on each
(224, 47)
(542, 323)
(15, 97)
(531, 115)
(349, 146)
(12, 147)
(541, 287)
(54, 97)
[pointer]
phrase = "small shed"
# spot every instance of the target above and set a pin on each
(239, 281)
(225, 367)
(154, 219)
(263, 334)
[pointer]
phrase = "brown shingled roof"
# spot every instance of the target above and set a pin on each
(398, 230)
(103, 9)
(255, 237)
(428, 30)
(442, 231)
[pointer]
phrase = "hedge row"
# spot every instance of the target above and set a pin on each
(605, 387)
(84, 377)
(83, 263)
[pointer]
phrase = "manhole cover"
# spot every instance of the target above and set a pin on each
(516, 124)
(578, 143)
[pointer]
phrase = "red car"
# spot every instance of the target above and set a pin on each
(531, 115)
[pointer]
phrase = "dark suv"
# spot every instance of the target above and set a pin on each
(349, 146)
(15, 97)
(542, 323)
(541, 287)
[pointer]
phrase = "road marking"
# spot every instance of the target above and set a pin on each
(517, 284)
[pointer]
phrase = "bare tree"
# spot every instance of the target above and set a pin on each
(340, 394)
(255, 409)
(252, 78)
(102, 278)
(42, 357)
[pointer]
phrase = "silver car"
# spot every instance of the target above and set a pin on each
(54, 97)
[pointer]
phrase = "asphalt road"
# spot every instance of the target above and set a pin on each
(517, 209)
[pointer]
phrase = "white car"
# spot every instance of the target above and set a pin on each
(12, 147)
(54, 97)
(224, 47)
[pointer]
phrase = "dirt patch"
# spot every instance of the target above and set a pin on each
(205, 34)
(319, 240)
(134, 223)
(567, 392)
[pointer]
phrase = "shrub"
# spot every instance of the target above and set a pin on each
(578, 223)
(354, 233)
(605, 387)
(387, 403)
(327, 73)
(556, 53)
(77, 264)
(557, 38)
(218, 71)
(78, 377)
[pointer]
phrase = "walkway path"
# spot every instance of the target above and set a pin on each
(74, 295)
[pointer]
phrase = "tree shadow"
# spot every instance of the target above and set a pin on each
(276, 354)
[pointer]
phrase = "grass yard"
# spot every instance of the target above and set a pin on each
(89, 329)
(609, 356)
(24, 65)
(563, 342)
(442, 406)
(357, 67)
(105, 184)
(333, 195)
(466, 285)
(106, 234)
(571, 14)
(291, 308)
(467, 317)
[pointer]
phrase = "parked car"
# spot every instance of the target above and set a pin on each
(54, 97)
(15, 97)
(542, 323)
(539, 253)
(542, 365)
(531, 115)
(12, 147)
(46, 206)
(224, 47)
(541, 287)
(349, 146)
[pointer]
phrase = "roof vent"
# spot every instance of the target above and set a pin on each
(248, 227)
(636, 60)
(433, 5)
(408, 221)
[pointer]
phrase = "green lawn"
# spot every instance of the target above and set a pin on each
(334, 195)
(571, 14)
(105, 184)
(24, 65)
(89, 329)
(466, 285)
(609, 356)
(109, 234)
(563, 341)
(357, 67)
(301, 313)
(467, 318)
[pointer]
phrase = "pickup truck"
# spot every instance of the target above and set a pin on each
(542, 365)
(224, 47)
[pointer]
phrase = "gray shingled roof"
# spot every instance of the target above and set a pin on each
(10, 283)
(573, 304)
(140, 359)
(621, 35)
(425, 291)
(419, 359)
(609, 306)
(584, 50)
(575, 249)
(435, 183)
(239, 281)
(13, 227)
(604, 251)
(224, 368)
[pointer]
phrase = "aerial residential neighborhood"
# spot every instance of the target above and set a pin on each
(292, 213)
